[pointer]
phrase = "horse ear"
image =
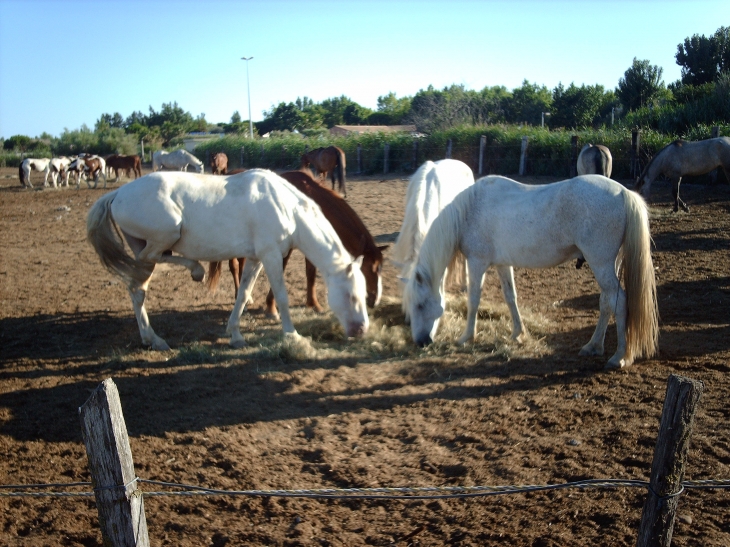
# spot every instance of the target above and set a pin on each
(383, 248)
(358, 261)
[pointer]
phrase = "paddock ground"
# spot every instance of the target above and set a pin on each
(374, 413)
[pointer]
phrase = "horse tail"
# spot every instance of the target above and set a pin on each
(104, 237)
(642, 318)
(340, 168)
(599, 162)
(21, 174)
(214, 275)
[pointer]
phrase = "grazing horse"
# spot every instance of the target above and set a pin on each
(125, 163)
(175, 218)
(504, 223)
(33, 164)
(219, 164)
(595, 160)
(93, 165)
(352, 232)
(179, 160)
(681, 158)
(58, 168)
(431, 188)
(327, 161)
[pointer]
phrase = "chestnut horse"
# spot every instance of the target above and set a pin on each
(354, 235)
(219, 164)
(125, 163)
(327, 161)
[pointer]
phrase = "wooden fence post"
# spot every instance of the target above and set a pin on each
(386, 159)
(715, 133)
(573, 156)
(634, 158)
(118, 502)
(523, 155)
(482, 149)
(448, 148)
(667, 468)
(415, 154)
(243, 149)
(359, 159)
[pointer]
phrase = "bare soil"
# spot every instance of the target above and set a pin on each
(372, 414)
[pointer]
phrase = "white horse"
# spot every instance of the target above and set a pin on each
(595, 160)
(179, 159)
(504, 223)
(164, 213)
(431, 188)
(59, 170)
(89, 164)
(33, 164)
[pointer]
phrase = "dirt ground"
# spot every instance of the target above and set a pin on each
(376, 413)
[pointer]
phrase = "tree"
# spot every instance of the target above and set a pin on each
(283, 117)
(391, 110)
(641, 85)
(343, 110)
(17, 142)
(528, 103)
(703, 59)
(578, 107)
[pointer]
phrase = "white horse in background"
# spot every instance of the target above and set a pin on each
(179, 160)
(595, 160)
(431, 188)
(59, 170)
(33, 164)
(504, 223)
(264, 217)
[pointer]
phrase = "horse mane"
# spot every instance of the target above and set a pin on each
(640, 182)
(441, 246)
(338, 212)
(411, 235)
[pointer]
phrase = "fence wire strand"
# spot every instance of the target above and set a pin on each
(404, 493)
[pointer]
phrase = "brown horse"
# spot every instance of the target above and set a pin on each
(681, 158)
(354, 235)
(219, 163)
(125, 163)
(327, 161)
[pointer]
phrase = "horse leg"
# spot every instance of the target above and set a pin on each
(137, 292)
(477, 268)
(675, 194)
(159, 251)
(275, 272)
(271, 310)
(311, 289)
(611, 301)
(250, 272)
(507, 281)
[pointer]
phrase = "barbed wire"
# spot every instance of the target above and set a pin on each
(409, 493)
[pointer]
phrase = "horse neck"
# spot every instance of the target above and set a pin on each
(316, 238)
(443, 238)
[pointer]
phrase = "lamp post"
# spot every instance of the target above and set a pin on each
(542, 118)
(248, 88)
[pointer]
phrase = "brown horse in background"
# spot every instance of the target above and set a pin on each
(327, 161)
(349, 227)
(125, 163)
(219, 164)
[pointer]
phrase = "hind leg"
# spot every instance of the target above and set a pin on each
(158, 251)
(675, 194)
(138, 292)
(251, 271)
(507, 281)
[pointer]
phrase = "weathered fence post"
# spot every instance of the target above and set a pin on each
(141, 142)
(243, 149)
(415, 154)
(448, 148)
(118, 502)
(634, 158)
(573, 156)
(359, 159)
(667, 468)
(482, 149)
(262, 155)
(523, 155)
(386, 159)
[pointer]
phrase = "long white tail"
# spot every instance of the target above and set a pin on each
(642, 321)
(107, 242)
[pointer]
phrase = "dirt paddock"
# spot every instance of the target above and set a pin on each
(374, 413)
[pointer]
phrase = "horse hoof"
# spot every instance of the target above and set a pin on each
(237, 344)
(198, 273)
(615, 364)
(272, 315)
(159, 345)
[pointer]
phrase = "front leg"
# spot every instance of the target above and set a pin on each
(311, 289)
(271, 310)
(251, 271)
(476, 269)
(273, 264)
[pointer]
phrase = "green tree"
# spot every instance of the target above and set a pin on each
(17, 142)
(283, 117)
(578, 107)
(528, 103)
(343, 110)
(704, 58)
(391, 110)
(641, 85)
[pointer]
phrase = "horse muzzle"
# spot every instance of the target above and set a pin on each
(356, 330)
(423, 341)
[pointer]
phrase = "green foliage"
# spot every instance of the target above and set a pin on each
(703, 58)
(641, 85)
(17, 142)
(580, 107)
(528, 103)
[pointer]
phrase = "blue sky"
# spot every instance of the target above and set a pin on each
(63, 63)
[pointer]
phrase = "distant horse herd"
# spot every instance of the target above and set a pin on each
(451, 223)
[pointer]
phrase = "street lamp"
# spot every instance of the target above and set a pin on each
(542, 120)
(248, 88)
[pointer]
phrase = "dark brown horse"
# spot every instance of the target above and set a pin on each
(125, 163)
(352, 232)
(327, 161)
(219, 163)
